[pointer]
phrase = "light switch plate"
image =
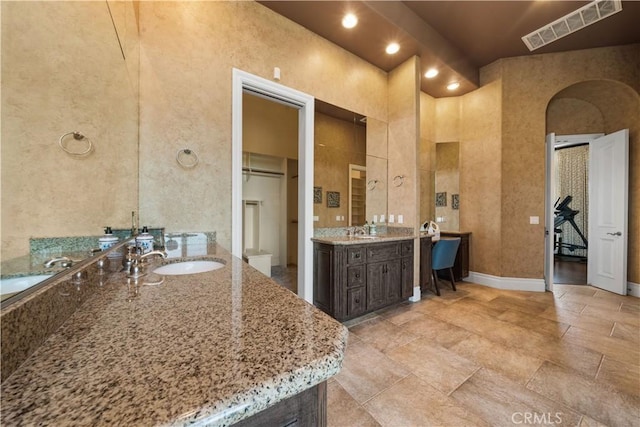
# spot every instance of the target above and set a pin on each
(316, 218)
(534, 220)
(400, 219)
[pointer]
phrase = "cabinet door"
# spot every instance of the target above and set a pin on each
(323, 277)
(425, 263)
(356, 301)
(407, 277)
(393, 281)
(376, 285)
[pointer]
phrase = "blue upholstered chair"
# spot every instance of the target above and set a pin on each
(443, 256)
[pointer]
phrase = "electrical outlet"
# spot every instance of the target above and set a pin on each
(375, 218)
(316, 218)
(400, 219)
(382, 218)
(534, 220)
(392, 218)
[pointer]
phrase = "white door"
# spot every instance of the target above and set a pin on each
(608, 207)
(549, 214)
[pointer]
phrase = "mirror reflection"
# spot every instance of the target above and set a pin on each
(447, 186)
(68, 68)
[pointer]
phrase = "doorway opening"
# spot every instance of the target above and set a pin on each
(304, 104)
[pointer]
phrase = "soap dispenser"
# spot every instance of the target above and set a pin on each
(108, 240)
(144, 240)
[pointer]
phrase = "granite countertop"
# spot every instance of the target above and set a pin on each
(210, 348)
(353, 240)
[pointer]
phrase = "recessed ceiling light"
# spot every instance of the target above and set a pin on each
(453, 86)
(431, 73)
(350, 20)
(392, 48)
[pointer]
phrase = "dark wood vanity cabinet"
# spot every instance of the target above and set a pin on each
(351, 280)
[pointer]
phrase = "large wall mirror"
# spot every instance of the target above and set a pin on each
(69, 82)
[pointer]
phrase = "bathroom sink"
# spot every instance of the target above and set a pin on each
(18, 284)
(188, 267)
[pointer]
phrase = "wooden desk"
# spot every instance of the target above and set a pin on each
(461, 265)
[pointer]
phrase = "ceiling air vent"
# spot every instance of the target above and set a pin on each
(586, 15)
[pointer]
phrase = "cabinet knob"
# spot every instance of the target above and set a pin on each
(357, 300)
(357, 275)
(357, 255)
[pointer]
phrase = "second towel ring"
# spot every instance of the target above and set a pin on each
(398, 180)
(78, 136)
(186, 152)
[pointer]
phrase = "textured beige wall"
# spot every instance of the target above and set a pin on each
(481, 176)
(338, 143)
(447, 120)
(188, 50)
(63, 71)
(427, 156)
(528, 85)
(404, 138)
(570, 116)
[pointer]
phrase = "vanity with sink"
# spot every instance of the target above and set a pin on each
(215, 342)
(355, 275)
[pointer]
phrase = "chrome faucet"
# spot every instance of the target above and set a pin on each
(135, 267)
(64, 262)
(162, 254)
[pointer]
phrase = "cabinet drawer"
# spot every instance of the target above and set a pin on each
(356, 276)
(406, 248)
(356, 302)
(356, 255)
(383, 252)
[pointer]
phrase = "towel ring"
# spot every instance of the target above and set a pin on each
(398, 180)
(371, 184)
(78, 136)
(186, 152)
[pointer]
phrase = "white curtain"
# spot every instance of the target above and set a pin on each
(572, 175)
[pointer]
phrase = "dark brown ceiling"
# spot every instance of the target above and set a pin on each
(458, 37)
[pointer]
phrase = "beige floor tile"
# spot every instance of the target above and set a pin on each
(411, 402)
(508, 361)
(590, 323)
(590, 422)
(519, 304)
(343, 410)
(622, 376)
(472, 304)
(480, 293)
(402, 314)
(591, 301)
(596, 400)
(567, 305)
(632, 319)
(625, 299)
(535, 323)
(613, 347)
(628, 307)
(382, 334)
(576, 289)
(503, 402)
(439, 367)
(440, 333)
(626, 332)
(566, 353)
(366, 373)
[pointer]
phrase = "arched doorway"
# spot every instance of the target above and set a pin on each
(591, 108)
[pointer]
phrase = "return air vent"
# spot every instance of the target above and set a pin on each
(586, 15)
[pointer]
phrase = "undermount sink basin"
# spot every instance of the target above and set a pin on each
(18, 284)
(188, 267)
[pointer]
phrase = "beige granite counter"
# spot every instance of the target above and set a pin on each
(355, 240)
(211, 348)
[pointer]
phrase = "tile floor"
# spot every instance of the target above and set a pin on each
(487, 357)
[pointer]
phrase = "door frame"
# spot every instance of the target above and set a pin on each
(306, 108)
(558, 141)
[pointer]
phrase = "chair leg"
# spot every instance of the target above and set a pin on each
(435, 282)
(453, 283)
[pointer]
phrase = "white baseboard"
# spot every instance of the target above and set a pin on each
(633, 289)
(507, 283)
